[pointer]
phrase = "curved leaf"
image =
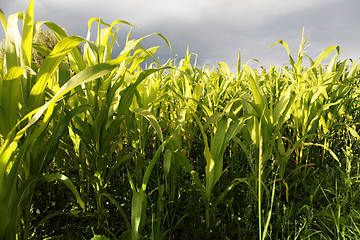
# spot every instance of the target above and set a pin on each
(64, 179)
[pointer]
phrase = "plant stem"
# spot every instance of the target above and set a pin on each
(259, 182)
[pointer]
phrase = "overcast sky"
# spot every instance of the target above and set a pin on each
(216, 29)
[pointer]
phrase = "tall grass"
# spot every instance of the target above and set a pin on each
(173, 151)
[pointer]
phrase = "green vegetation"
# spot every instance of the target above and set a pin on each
(95, 147)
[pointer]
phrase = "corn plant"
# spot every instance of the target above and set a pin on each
(191, 110)
(181, 138)
(263, 131)
(312, 88)
(26, 150)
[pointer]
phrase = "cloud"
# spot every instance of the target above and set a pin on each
(216, 29)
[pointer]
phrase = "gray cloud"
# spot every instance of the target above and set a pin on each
(217, 29)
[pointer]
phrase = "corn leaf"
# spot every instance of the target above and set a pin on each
(62, 178)
(27, 35)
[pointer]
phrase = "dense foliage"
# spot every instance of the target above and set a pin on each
(95, 147)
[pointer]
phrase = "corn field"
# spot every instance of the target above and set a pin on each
(97, 146)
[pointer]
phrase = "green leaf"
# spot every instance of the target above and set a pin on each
(27, 35)
(167, 162)
(128, 94)
(255, 88)
(353, 133)
(218, 141)
(64, 179)
(210, 173)
(49, 66)
(41, 49)
(150, 167)
(3, 20)
(13, 41)
(84, 76)
(9, 99)
(150, 117)
(212, 119)
(113, 201)
(99, 237)
(138, 205)
(326, 148)
(238, 72)
(322, 56)
(282, 104)
(286, 46)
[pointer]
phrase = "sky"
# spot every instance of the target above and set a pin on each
(215, 30)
